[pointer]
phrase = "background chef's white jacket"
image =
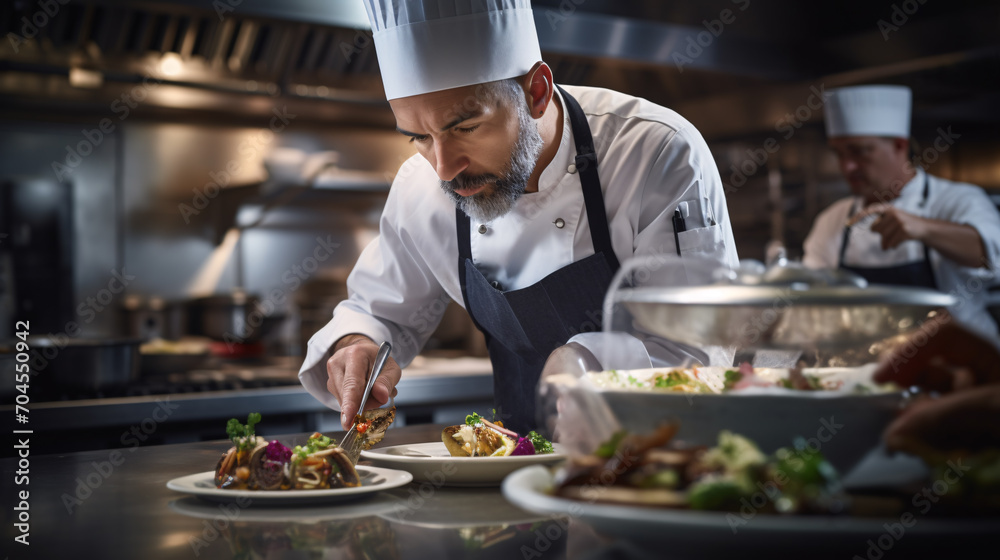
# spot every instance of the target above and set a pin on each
(649, 160)
(960, 203)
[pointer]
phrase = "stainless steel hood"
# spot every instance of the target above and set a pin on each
(731, 66)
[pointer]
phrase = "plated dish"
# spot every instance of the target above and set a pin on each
(255, 464)
(479, 437)
(657, 471)
(432, 463)
(715, 532)
(372, 480)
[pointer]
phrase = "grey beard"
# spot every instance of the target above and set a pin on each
(509, 185)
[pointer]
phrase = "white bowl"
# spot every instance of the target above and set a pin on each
(842, 425)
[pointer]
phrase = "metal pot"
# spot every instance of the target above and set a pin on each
(236, 317)
(64, 363)
(155, 318)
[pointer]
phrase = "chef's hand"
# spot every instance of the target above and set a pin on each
(894, 225)
(944, 357)
(348, 368)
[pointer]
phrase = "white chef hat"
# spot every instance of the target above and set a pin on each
(432, 45)
(869, 111)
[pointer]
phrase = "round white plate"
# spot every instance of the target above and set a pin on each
(373, 479)
(529, 488)
(430, 462)
(380, 504)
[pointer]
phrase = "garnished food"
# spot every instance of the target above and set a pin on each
(651, 470)
(369, 429)
(479, 437)
(255, 464)
(718, 380)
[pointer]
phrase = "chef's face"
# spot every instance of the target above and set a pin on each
(875, 167)
(481, 141)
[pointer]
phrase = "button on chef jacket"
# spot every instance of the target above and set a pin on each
(960, 203)
(650, 159)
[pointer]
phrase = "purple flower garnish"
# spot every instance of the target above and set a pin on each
(275, 451)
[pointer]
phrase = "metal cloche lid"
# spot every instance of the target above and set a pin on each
(782, 307)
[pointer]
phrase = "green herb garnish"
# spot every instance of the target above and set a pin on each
(608, 448)
(671, 379)
(732, 378)
(473, 419)
(243, 436)
(542, 445)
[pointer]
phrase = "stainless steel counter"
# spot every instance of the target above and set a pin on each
(114, 504)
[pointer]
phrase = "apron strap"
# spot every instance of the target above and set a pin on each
(586, 166)
(463, 225)
(927, 250)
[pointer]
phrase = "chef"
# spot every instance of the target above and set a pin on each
(903, 226)
(520, 204)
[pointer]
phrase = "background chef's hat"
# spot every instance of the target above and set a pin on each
(869, 111)
(431, 45)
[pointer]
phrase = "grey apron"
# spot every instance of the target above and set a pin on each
(917, 273)
(523, 326)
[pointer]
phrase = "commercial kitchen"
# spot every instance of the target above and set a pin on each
(186, 186)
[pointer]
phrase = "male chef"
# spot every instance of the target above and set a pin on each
(520, 204)
(903, 226)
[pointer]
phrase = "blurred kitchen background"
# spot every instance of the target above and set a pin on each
(199, 177)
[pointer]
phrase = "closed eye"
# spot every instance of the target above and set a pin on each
(468, 130)
(419, 138)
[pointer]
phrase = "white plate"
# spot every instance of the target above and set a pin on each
(431, 462)
(373, 480)
(380, 504)
(708, 531)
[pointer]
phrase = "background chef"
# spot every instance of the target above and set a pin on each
(903, 226)
(520, 203)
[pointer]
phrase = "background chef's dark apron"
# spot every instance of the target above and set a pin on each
(916, 273)
(523, 326)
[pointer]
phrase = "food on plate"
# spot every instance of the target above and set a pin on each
(479, 437)
(653, 470)
(718, 380)
(255, 464)
(370, 426)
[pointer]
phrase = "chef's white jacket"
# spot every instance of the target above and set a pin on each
(960, 203)
(650, 159)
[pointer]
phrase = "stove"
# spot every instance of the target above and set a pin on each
(216, 374)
